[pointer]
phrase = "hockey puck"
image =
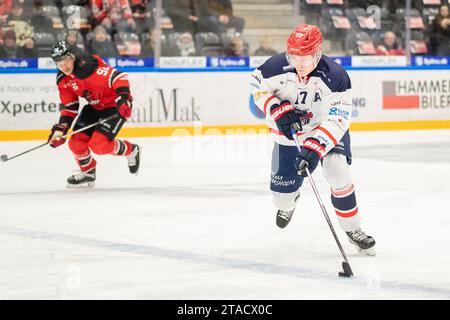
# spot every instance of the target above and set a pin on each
(4, 157)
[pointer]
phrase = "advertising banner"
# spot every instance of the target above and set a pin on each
(30, 101)
(379, 61)
(18, 63)
(400, 95)
(430, 61)
(201, 62)
(187, 99)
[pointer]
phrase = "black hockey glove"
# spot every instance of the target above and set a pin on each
(310, 154)
(285, 115)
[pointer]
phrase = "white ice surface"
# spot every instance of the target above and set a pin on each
(198, 223)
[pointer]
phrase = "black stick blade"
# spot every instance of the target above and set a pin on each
(4, 157)
(347, 270)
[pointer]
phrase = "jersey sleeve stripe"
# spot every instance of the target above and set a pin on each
(120, 76)
(72, 111)
(71, 106)
(328, 134)
(113, 74)
(267, 102)
(275, 131)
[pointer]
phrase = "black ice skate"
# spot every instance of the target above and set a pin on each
(82, 179)
(134, 159)
(284, 217)
(364, 244)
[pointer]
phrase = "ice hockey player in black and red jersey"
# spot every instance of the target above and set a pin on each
(107, 92)
(304, 88)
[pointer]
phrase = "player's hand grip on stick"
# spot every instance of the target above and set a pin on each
(285, 115)
(345, 264)
(124, 106)
(55, 139)
(5, 158)
(309, 156)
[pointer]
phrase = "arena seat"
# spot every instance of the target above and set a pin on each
(44, 41)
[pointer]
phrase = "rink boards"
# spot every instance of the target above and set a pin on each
(188, 103)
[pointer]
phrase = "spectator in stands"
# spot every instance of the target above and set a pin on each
(20, 25)
(366, 3)
(29, 7)
(187, 15)
(142, 15)
(102, 45)
(5, 9)
(389, 46)
(9, 48)
(392, 5)
(236, 48)
(149, 43)
(71, 2)
(220, 17)
(16, 11)
(441, 32)
(28, 50)
(265, 48)
(72, 37)
(39, 21)
(113, 15)
(185, 45)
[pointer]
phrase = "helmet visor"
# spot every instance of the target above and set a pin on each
(305, 60)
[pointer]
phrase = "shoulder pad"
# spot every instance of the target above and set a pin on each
(59, 77)
(332, 74)
(275, 65)
(85, 65)
(100, 61)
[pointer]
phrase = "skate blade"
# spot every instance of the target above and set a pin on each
(366, 252)
(85, 185)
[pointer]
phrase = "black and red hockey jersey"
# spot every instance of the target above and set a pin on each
(94, 80)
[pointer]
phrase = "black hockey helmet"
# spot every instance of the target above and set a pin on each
(60, 50)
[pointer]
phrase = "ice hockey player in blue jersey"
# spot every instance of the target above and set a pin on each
(301, 86)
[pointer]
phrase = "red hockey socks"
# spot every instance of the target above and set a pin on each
(122, 147)
(85, 162)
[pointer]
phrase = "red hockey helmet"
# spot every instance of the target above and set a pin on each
(306, 39)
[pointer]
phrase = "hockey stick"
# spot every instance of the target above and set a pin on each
(345, 264)
(5, 158)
